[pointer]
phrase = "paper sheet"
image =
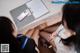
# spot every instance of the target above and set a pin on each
(37, 8)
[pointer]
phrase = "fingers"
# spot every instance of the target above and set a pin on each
(35, 33)
(45, 35)
(35, 36)
(54, 34)
(29, 32)
(49, 37)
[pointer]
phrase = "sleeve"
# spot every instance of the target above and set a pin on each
(27, 44)
(30, 46)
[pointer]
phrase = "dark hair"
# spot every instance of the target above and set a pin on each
(6, 28)
(71, 14)
(74, 0)
(6, 33)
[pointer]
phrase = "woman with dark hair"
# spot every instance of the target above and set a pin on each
(19, 44)
(6, 34)
(66, 39)
(68, 34)
(71, 22)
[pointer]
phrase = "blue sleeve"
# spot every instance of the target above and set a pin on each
(22, 40)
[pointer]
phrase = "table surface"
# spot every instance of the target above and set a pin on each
(54, 10)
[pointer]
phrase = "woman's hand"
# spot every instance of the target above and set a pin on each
(29, 32)
(53, 36)
(52, 40)
(35, 36)
(49, 37)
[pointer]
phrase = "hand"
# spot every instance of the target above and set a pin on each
(53, 36)
(35, 36)
(29, 32)
(52, 40)
(49, 37)
(45, 35)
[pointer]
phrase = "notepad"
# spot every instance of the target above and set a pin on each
(37, 8)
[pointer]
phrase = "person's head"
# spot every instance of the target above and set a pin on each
(6, 28)
(6, 33)
(71, 21)
(71, 17)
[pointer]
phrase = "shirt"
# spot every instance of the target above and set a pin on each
(61, 48)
